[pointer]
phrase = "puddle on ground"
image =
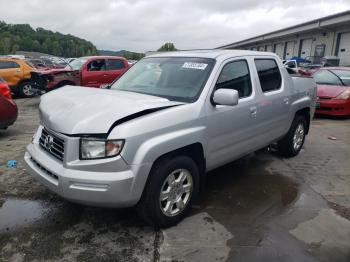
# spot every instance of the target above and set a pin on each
(244, 197)
(18, 213)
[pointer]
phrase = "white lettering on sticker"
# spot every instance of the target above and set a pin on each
(190, 65)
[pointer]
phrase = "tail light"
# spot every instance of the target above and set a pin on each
(5, 90)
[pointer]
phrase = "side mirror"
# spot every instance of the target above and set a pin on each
(226, 97)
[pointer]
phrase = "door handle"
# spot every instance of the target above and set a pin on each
(253, 111)
(286, 100)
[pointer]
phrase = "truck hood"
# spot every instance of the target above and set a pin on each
(76, 110)
(55, 71)
(330, 91)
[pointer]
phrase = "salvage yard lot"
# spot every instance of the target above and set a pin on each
(260, 208)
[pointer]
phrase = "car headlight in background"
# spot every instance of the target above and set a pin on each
(94, 148)
(345, 95)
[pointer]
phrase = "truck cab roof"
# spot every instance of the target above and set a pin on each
(219, 54)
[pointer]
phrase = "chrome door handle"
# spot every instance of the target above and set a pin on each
(253, 111)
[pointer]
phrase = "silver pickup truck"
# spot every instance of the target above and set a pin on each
(149, 138)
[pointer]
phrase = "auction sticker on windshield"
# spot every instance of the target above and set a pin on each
(190, 65)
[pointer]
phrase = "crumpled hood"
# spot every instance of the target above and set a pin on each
(330, 91)
(82, 110)
(54, 71)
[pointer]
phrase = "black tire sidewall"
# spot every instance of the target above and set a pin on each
(157, 177)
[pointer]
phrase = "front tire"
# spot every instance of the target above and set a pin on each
(25, 89)
(292, 143)
(170, 190)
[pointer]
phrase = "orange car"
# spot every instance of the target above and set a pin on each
(17, 74)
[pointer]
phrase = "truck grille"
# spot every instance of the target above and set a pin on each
(52, 144)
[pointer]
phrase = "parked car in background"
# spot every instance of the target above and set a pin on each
(17, 74)
(38, 64)
(8, 108)
(92, 71)
(301, 66)
(333, 91)
(149, 139)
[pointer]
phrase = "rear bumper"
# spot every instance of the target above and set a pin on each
(333, 107)
(93, 188)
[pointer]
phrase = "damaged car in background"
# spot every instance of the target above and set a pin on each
(149, 139)
(92, 71)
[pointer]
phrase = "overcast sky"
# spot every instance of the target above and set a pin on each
(143, 25)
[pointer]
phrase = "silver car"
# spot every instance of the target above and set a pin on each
(149, 138)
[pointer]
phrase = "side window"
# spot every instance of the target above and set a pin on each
(97, 65)
(269, 74)
(235, 75)
(115, 64)
(8, 65)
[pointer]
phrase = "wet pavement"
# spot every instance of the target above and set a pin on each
(259, 208)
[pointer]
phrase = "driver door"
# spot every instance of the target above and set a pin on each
(232, 129)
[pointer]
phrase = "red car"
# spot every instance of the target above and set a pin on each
(8, 108)
(92, 71)
(333, 91)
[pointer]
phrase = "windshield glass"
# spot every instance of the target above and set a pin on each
(344, 75)
(76, 64)
(327, 77)
(175, 78)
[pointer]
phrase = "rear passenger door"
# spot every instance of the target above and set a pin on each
(273, 103)
(115, 68)
(232, 130)
(11, 72)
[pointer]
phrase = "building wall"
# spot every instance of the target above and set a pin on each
(328, 38)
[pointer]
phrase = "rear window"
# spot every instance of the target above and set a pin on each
(269, 74)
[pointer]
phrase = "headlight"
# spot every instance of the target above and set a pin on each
(345, 95)
(94, 148)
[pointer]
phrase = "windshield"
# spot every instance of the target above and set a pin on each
(334, 77)
(76, 64)
(175, 78)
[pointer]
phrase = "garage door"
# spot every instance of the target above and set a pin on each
(344, 49)
(269, 48)
(279, 50)
(261, 48)
(289, 50)
(306, 45)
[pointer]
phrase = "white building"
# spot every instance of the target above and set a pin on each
(327, 36)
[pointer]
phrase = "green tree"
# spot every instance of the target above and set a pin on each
(22, 37)
(167, 47)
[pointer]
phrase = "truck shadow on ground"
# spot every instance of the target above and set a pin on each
(242, 196)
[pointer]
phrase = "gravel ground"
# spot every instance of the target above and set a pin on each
(259, 208)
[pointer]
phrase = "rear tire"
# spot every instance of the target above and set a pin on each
(172, 185)
(25, 89)
(292, 143)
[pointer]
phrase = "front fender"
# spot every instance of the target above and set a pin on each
(151, 149)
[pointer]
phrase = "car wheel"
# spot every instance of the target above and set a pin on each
(25, 89)
(172, 185)
(292, 143)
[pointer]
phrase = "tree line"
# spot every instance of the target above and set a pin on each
(22, 37)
